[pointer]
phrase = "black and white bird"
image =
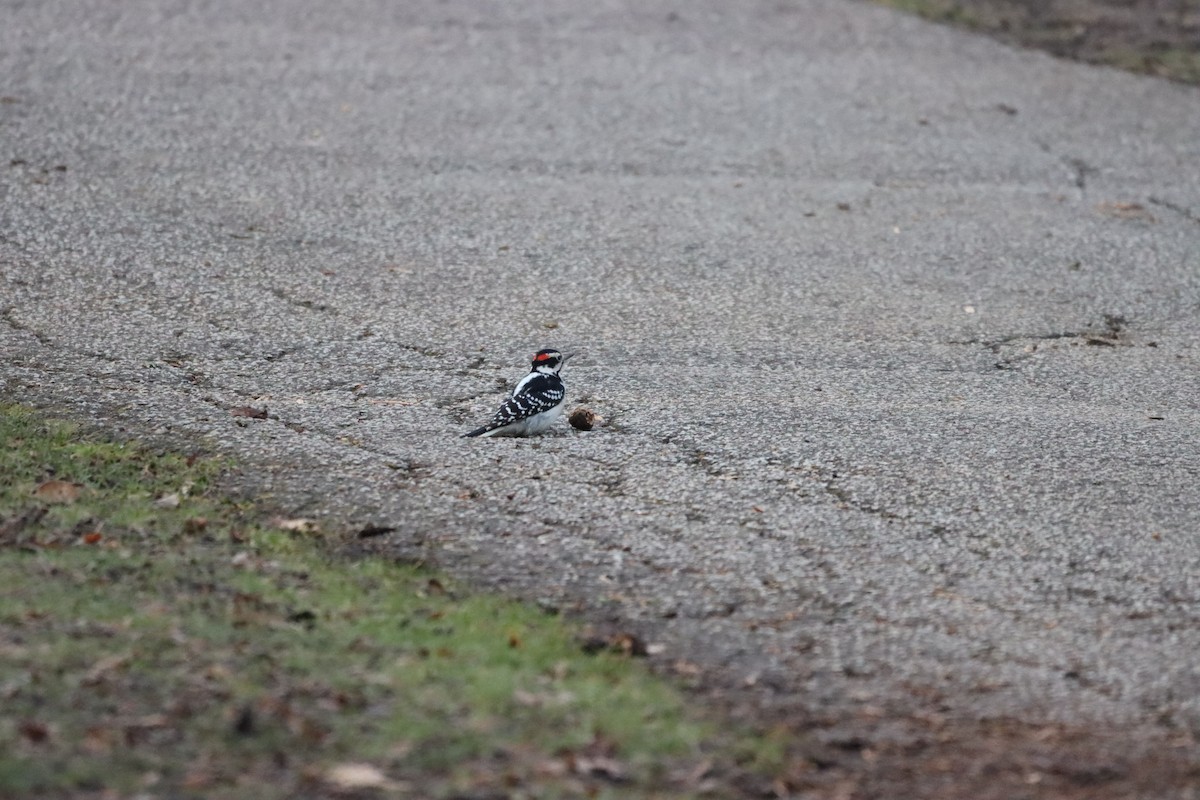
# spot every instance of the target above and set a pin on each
(536, 402)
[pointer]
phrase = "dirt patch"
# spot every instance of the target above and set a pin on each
(1154, 37)
(912, 750)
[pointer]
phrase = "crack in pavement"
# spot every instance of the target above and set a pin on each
(311, 305)
(1081, 170)
(1181, 210)
(9, 316)
(1114, 335)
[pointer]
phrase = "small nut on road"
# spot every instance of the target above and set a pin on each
(583, 419)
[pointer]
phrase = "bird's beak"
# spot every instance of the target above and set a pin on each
(568, 355)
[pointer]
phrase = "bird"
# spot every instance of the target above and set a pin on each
(535, 403)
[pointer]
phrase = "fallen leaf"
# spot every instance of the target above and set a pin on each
(92, 538)
(356, 776)
(150, 722)
(34, 731)
(249, 412)
(168, 500)
(1126, 211)
(58, 491)
(296, 524)
(630, 645)
(601, 767)
(198, 778)
(98, 740)
(597, 759)
(104, 666)
(311, 731)
(627, 643)
(195, 525)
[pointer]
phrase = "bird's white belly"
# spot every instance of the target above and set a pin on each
(540, 422)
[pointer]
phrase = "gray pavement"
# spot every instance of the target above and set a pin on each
(896, 330)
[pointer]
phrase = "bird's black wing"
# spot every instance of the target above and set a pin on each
(540, 393)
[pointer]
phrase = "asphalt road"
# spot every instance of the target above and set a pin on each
(895, 330)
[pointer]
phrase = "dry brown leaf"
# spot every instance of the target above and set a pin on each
(34, 730)
(98, 740)
(1126, 211)
(629, 644)
(58, 491)
(597, 759)
(198, 778)
(250, 412)
(104, 666)
(195, 525)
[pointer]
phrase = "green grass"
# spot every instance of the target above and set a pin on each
(948, 11)
(190, 650)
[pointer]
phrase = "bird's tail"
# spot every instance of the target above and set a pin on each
(479, 431)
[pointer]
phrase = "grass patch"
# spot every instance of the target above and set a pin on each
(947, 11)
(1179, 64)
(154, 636)
(1136, 35)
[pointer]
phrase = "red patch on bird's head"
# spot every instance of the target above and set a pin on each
(543, 357)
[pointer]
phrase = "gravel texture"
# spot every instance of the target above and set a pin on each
(894, 332)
